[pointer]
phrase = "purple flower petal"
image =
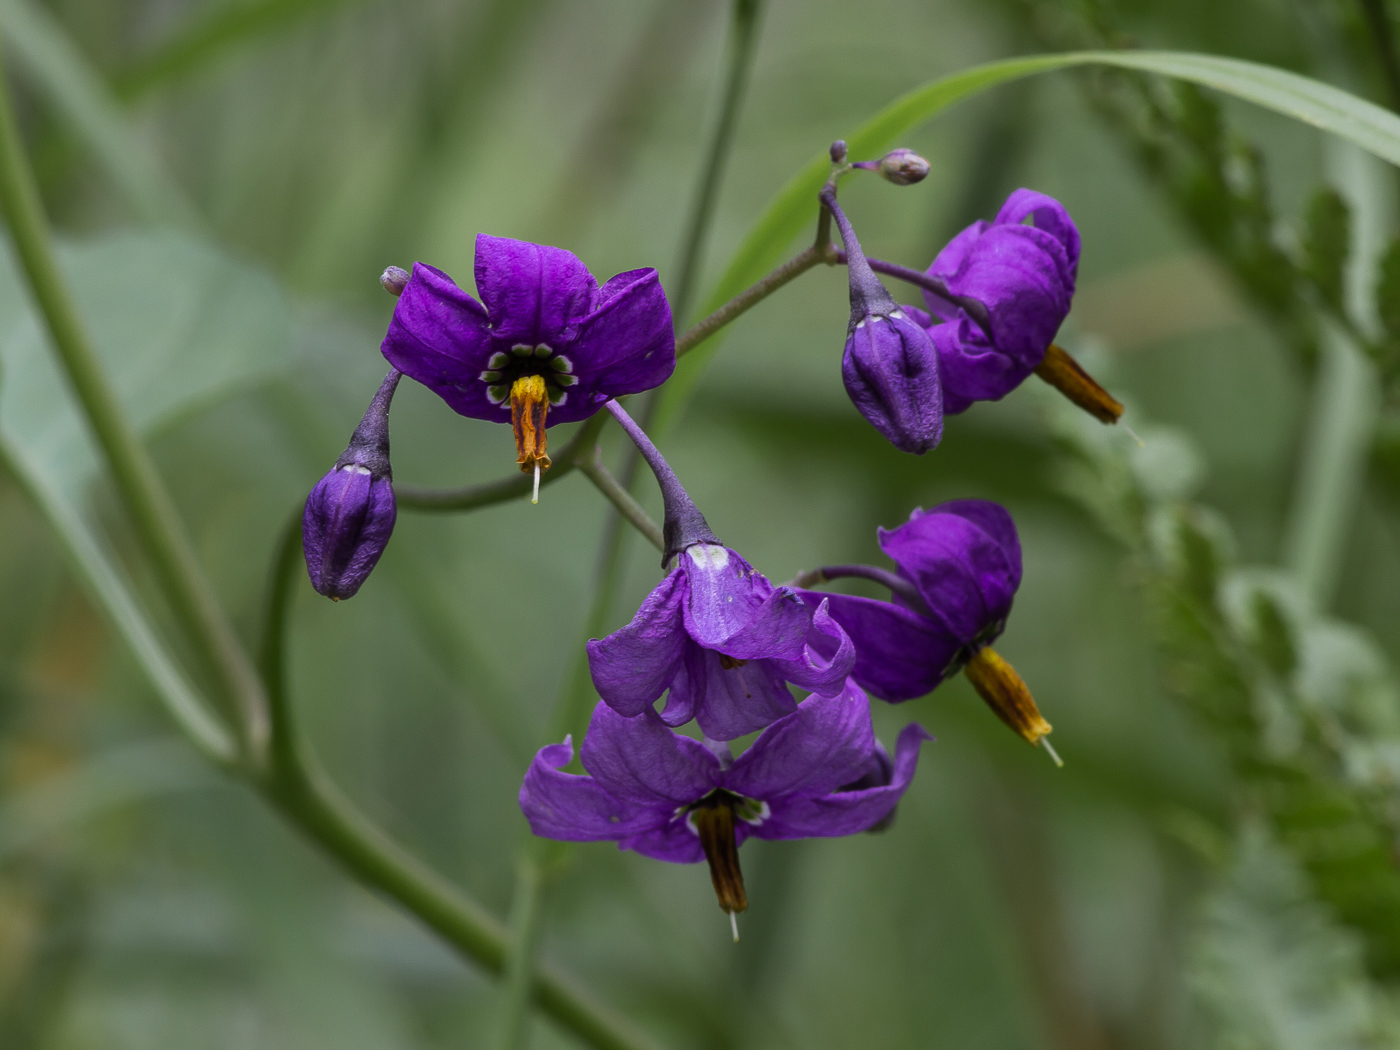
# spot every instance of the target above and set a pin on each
(533, 293)
(440, 336)
(632, 667)
(673, 841)
(1049, 215)
(642, 761)
(733, 609)
(573, 808)
(825, 743)
(728, 702)
(900, 654)
(801, 816)
(627, 344)
(967, 576)
(890, 370)
(828, 658)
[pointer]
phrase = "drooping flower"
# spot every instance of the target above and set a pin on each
(670, 797)
(545, 345)
(350, 514)
(1010, 284)
(714, 632)
(958, 566)
(889, 366)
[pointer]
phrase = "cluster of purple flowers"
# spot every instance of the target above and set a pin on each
(716, 639)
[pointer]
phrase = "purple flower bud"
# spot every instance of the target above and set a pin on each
(903, 167)
(395, 280)
(838, 151)
(890, 365)
(350, 513)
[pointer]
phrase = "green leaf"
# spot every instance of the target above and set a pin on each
(178, 325)
(1310, 101)
(1327, 244)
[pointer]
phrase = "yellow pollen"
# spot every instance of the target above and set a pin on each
(529, 403)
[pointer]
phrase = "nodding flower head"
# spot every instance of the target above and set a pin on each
(1020, 269)
(958, 566)
(350, 514)
(545, 345)
(815, 773)
(890, 366)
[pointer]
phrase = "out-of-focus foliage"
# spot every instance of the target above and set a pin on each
(1219, 870)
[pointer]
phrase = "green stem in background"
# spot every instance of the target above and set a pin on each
(628, 507)
(743, 38)
(298, 788)
(753, 295)
(142, 493)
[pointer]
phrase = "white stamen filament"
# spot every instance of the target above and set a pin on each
(1141, 443)
(1045, 743)
(734, 925)
(536, 497)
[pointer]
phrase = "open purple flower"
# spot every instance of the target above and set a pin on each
(725, 642)
(670, 797)
(1021, 278)
(545, 344)
(350, 514)
(958, 566)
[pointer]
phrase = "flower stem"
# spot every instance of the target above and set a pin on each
(296, 785)
(742, 41)
(141, 491)
(896, 584)
(629, 508)
(751, 296)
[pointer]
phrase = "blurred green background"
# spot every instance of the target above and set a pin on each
(147, 902)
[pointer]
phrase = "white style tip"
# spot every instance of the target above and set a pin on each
(536, 497)
(1049, 750)
(1133, 435)
(734, 925)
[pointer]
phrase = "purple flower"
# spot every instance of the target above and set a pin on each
(890, 366)
(545, 340)
(1020, 278)
(725, 642)
(958, 567)
(670, 797)
(350, 513)
(962, 562)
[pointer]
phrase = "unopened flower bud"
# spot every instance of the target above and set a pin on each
(838, 151)
(350, 513)
(903, 167)
(395, 280)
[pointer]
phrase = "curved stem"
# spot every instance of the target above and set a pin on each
(517, 486)
(974, 309)
(896, 584)
(751, 296)
(296, 786)
(141, 491)
(629, 508)
(743, 38)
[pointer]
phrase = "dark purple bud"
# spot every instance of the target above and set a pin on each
(350, 513)
(890, 365)
(838, 151)
(395, 280)
(903, 167)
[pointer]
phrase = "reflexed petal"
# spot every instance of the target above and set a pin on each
(947, 262)
(440, 336)
(626, 345)
(574, 808)
(900, 654)
(846, 812)
(1049, 215)
(825, 743)
(732, 608)
(672, 841)
(890, 370)
(827, 661)
(737, 700)
(971, 368)
(641, 760)
(965, 574)
(633, 666)
(533, 293)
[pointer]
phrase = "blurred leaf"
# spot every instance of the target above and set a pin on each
(1310, 101)
(1327, 244)
(1388, 291)
(59, 70)
(179, 325)
(1273, 968)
